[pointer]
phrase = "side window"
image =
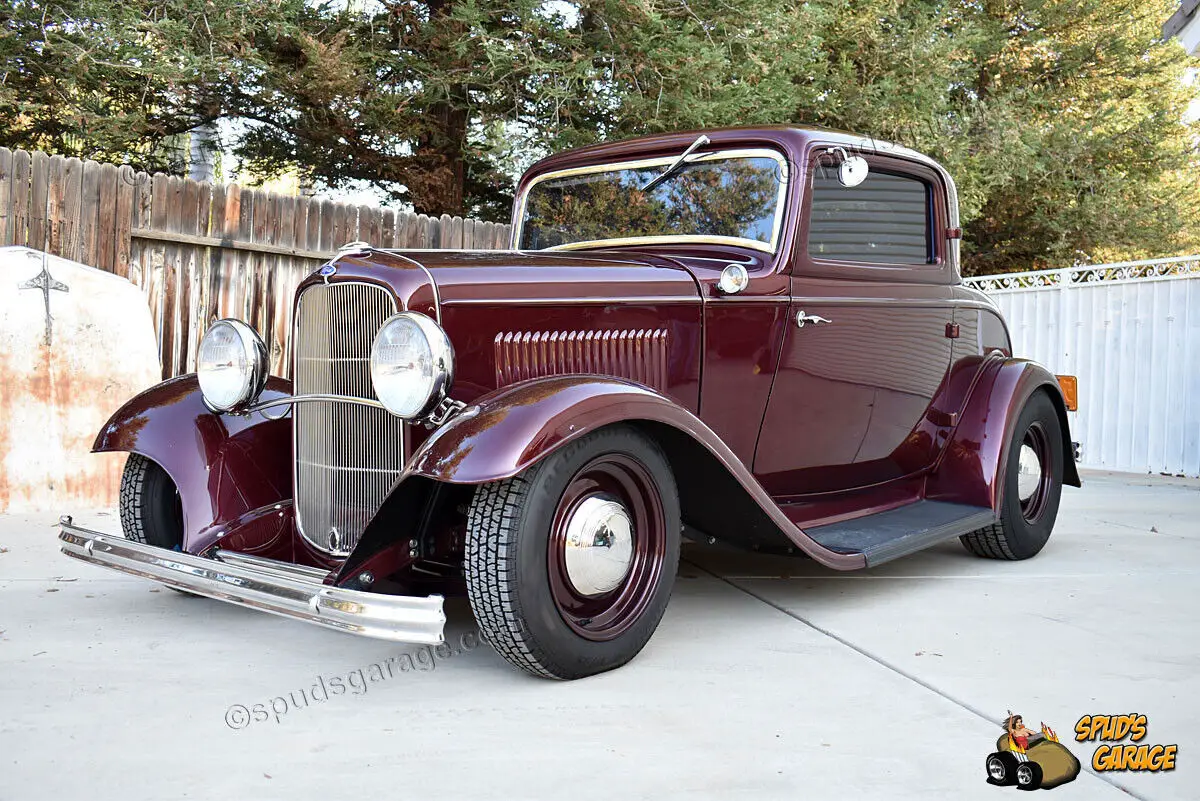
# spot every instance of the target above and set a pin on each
(883, 220)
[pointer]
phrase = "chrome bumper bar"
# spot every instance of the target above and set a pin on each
(276, 587)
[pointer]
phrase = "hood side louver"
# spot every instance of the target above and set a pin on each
(636, 355)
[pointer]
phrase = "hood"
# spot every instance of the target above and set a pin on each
(541, 277)
(513, 316)
(423, 280)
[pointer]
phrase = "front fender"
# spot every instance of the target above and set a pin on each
(223, 465)
(970, 470)
(507, 431)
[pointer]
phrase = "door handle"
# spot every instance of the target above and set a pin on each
(802, 318)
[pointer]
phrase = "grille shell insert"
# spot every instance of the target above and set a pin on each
(347, 456)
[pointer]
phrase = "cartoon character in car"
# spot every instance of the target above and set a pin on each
(1030, 759)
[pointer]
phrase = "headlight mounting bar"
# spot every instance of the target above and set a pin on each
(261, 406)
(438, 416)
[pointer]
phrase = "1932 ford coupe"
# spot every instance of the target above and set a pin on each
(754, 336)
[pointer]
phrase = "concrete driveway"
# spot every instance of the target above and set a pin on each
(769, 678)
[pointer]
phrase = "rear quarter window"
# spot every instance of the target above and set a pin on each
(883, 220)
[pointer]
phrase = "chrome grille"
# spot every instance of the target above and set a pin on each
(347, 455)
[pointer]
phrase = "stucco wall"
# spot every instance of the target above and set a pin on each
(55, 396)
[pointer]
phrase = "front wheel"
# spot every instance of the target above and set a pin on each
(1029, 776)
(1001, 769)
(150, 509)
(151, 512)
(1033, 480)
(570, 565)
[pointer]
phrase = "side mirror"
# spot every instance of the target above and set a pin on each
(853, 170)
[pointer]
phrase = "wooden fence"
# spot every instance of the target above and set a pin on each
(199, 251)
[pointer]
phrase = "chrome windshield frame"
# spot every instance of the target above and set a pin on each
(616, 166)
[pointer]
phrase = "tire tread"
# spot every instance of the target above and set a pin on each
(130, 503)
(494, 519)
(990, 542)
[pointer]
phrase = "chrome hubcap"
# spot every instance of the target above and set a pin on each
(1029, 472)
(598, 546)
(996, 768)
(1024, 774)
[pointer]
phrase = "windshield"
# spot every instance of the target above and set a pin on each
(729, 196)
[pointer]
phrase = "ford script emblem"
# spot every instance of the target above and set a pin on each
(328, 270)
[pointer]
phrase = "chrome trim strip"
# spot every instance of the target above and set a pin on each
(718, 155)
(437, 298)
(941, 303)
(784, 299)
(568, 301)
(402, 251)
(280, 588)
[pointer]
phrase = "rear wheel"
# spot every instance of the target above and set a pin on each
(1001, 767)
(1032, 487)
(570, 564)
(151, 512)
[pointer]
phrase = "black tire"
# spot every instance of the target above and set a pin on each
(1028, 775)
(1001, 769)
(1025, 526)
(511, 569)
(149, 505)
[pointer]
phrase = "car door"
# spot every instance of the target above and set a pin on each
(867, 343)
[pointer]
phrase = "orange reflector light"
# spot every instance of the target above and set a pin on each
(1070, 391)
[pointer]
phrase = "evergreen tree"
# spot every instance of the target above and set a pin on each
(1062, 120)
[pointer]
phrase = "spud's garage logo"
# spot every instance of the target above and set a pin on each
(1113, 756)
(1030, 759)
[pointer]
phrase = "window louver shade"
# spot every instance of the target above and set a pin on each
(884, 220)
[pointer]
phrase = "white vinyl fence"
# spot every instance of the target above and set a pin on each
(1131, 333)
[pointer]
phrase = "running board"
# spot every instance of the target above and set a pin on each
(884, 536)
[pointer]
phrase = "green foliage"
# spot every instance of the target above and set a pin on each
(122, 81)
(1062, 120)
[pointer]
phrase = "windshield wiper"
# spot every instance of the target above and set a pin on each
(674, 166)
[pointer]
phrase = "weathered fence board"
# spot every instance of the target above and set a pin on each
(19, 196)
(6, 209)
(39, 179)
(200, 252)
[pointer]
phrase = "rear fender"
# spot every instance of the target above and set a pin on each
(970, 469)
(508, 431)
(225, 466)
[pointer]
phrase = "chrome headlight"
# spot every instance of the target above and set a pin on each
(231, 365)
(412, 364)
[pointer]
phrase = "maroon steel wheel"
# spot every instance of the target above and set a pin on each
(607, 546)
(1034, 472)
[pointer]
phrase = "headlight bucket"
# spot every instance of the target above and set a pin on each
(231, 365)
(412, 364)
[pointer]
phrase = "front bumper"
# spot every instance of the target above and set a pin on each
(277, 587)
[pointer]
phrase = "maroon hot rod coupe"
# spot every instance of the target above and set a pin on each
(756, 336)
